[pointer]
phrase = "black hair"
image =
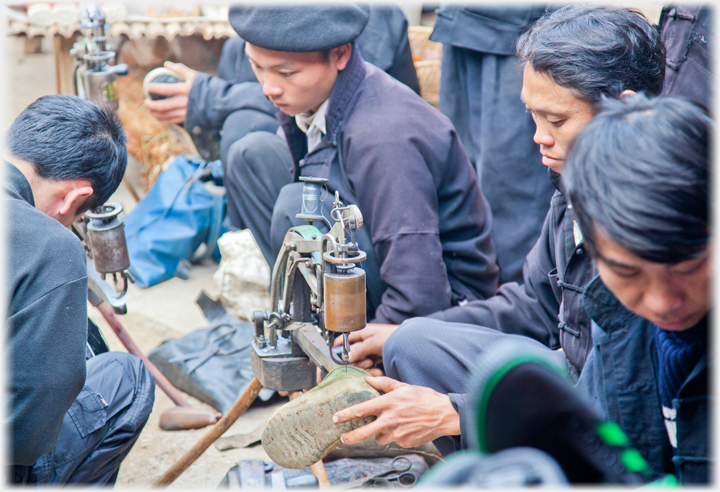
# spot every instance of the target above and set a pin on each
(639, 172)
(596, 51)
(66, 137)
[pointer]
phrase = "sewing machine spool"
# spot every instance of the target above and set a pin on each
(344, 300)
(106, 234)
(101, 80)
(311, 199)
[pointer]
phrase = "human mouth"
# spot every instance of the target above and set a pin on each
(674, 325)
(550, 161)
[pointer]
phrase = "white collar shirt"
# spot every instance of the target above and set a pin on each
(313, 125)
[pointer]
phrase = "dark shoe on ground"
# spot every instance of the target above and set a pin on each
(302, 432)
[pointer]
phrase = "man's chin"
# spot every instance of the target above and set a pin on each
(554, 164)
(679, 324)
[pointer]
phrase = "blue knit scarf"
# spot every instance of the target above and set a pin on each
(678, 352)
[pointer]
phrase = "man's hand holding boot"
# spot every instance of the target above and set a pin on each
(408, 415)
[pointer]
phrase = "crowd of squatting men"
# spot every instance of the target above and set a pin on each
(559, 195)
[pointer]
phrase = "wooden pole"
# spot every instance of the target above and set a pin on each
(63, 64)
(238, 408)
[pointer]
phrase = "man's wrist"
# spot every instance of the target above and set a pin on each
(451, 419)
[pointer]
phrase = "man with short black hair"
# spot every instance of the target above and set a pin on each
(638, 179)
(70, 420)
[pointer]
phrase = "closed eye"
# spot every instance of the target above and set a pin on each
(699, 263)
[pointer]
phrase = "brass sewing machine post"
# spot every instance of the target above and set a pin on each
(317, 291)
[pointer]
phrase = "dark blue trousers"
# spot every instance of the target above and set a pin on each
(102, 424)
(480, 93)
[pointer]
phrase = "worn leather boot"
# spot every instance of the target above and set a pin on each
(302, 432)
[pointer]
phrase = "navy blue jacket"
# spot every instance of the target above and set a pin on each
(46, 322)
(401, 161)
(620, 378)
(686, 32)
(548, 305)
(485, 29)
(384, 43)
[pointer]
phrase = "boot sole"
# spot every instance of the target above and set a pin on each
(302, 432)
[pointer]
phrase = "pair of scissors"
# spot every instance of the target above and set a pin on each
(399, 471)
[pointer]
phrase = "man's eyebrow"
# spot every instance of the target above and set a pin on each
(540, 111)
(614, 263)
(284, 64)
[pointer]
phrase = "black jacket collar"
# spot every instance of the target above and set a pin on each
(16, 185)
(604, 308)
(556, 180)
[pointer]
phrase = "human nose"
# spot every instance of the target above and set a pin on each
(271, 89)
(543, 136)
(662, 298)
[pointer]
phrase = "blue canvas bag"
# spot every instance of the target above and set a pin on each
(173, 219)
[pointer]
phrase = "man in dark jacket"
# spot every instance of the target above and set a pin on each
(479, 86)
(381, 147)
(638, 178)
(69, 420)
(227, 107)
(564, 79)
(686, 32)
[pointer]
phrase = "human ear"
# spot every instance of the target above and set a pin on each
(626, 92)
(343, 56)
(74, 196)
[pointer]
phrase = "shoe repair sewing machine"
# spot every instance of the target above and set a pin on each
(102, 231)
(317, 291)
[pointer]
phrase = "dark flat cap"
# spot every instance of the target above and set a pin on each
(298, 28)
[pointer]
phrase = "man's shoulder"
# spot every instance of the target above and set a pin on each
(41, 253)
(392, 106)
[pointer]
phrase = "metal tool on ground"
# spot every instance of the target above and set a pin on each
(316, 292)
(400, 472)
(102, 230)
(353, 473)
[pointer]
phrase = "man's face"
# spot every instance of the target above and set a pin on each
(674, 297)
(296, 82)
(558, 113)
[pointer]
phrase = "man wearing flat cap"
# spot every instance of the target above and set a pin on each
(381, 147)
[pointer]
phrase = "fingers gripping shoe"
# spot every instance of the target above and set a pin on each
(302, 432)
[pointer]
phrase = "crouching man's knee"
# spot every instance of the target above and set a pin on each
(407, 348)
(126, 384)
